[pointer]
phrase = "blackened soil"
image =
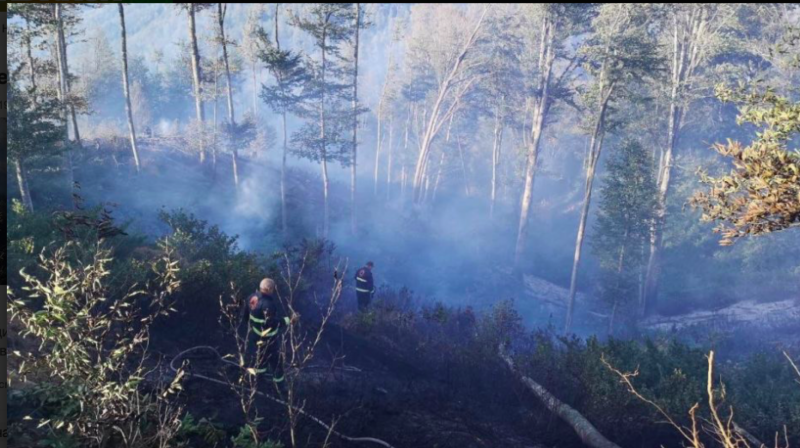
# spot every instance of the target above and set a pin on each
(373, 386)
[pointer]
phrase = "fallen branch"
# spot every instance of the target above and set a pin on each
(316, 420)
(588, 434)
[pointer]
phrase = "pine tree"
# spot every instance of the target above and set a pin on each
(284, 96)
(325, 135)
(622, 229)
(35, 132)
(619, 55)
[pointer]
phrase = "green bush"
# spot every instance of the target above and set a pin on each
(88, 373)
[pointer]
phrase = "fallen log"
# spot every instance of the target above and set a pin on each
(588, 434)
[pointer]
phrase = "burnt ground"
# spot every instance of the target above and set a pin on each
(378, 388)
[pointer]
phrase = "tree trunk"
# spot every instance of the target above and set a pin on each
(390, 155)
(353, 166)
(620, 264)
(22, 183)
(67, 84)
(31, 61)
(380, 142)
(584, 429)
(221, 11)
(438, 177)
(463, 167)
(498, 141)
(546, 56)
(596, 148)
(255, 91)
(325, 181)
(62, 92)
(126, 87)
(196, 78)
(284, 216)
(215, 121)
(648, 300)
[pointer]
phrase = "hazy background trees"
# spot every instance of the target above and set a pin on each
(482, 131)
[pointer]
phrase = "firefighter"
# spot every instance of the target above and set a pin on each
(365, 287)
(266, 320)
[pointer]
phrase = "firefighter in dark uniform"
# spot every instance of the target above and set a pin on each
(267, 319)
(365, 286)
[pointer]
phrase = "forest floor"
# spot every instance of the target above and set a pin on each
(383, 393)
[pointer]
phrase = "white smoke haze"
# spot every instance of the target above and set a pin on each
(450, 249)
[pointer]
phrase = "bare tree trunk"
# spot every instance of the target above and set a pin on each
(380, 142)
(498, 141)
(438, 176)
(546, 56)
(284, 217)
(403, 177)
(62, 91)
(196, 77)
(31, 60)
(463, 167)
(654, 260)
(620, 264)
(222, 9)
(325, 180)
(215, 122)
(22, 183)
(126, 87)
(403, 171)
(353, 166)
(596, 147)
(67, 83)
(255, 90)
(390, 155)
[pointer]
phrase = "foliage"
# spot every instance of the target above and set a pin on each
(211, 261)
(244, 439)
(204, 429)
(325, 135)
(622, 229)
(288, 69)
(762, 192)
(90, 364)
(35, 127)
(29, 233)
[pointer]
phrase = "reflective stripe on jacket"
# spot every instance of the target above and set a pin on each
(364, 281)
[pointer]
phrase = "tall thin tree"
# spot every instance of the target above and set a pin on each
(126, 88)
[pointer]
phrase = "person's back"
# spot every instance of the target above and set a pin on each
(266, 317)
(365, 286)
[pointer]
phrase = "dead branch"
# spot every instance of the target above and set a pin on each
(316, 420)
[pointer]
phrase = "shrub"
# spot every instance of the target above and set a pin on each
(90, 364)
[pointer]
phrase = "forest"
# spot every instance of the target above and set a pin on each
(403, 225)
